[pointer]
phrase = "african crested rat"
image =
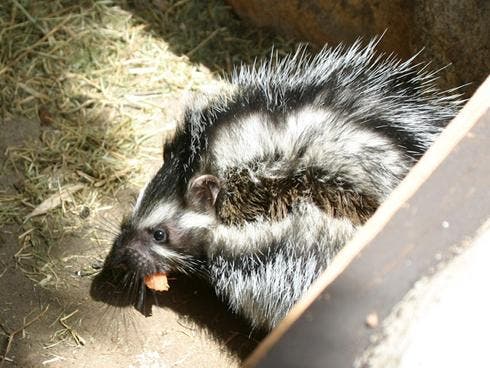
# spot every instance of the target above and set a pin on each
(262, 185)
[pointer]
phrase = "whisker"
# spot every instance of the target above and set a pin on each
(106, 226)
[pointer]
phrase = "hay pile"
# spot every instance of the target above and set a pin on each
(102, 79)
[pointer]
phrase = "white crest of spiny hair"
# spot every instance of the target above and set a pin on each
(348, 65)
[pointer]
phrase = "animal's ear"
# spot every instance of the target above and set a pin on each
(203, 191)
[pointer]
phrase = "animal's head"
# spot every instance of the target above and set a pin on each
(169, 227)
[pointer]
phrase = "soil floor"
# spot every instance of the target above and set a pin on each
(65, 327)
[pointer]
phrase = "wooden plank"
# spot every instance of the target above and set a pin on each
(394, 249)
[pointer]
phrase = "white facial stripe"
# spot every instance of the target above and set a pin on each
(194, 219)
(140, 197)
(165, 252)
(160, 214)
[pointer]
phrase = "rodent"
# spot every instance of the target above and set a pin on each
(263, 184)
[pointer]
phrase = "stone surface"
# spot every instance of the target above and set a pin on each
(451, 32)
(458, 33)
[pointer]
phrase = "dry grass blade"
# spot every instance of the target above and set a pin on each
(54, 200)
(68, 330)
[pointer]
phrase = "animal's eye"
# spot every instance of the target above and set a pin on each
(160, 235)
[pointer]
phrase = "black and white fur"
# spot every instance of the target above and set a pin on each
(349, 121)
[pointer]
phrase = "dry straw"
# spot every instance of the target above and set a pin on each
(101, 78)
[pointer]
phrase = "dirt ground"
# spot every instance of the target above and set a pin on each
(48, 317)
(62, 326)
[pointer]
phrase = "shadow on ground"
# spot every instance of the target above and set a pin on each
(193, 301)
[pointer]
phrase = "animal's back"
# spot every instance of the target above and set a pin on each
(311, 146)
(340, 129)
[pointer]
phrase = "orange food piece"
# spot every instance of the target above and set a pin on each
(157, 281)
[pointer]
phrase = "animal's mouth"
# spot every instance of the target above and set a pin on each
(157, 281)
